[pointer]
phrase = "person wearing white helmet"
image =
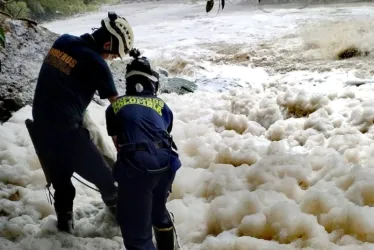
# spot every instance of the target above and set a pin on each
(72, 71)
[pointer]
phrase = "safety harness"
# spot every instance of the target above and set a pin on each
(127, 147)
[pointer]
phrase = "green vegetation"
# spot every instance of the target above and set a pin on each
(43, 10)
(2, 37)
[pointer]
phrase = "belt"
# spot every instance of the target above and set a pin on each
(142, 146)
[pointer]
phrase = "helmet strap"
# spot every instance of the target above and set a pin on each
(111, 43)
(101, 37)
(93, 38)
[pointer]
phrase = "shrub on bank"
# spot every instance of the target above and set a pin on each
(45, 10)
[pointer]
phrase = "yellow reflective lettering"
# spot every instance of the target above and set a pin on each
(132, 100)
(122, 103)
(68, 59)
(139, 101)
(63, 57)
(149, 103)
(159, 110)
(72, 63)
(52, 52)
(154, 103)
(115, 105)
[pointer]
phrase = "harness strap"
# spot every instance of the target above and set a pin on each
(144, 170)
(142, 146)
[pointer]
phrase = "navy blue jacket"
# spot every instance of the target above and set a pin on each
(142, 119)
(70, 75)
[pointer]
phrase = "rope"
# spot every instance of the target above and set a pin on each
(175, 230)
(86, 184)
(50, 195)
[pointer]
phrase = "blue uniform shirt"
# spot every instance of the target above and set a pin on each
(70, 75)
(136, 119)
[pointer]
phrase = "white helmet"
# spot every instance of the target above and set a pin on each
(121, 29)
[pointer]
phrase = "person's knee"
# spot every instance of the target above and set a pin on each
(64, 196)
(101, 176)
(160, 215)
(108, 191)
(111, 202)
(162, 222)
(65, 189)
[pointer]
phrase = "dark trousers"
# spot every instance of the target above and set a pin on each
(66, 152)
(141, 203)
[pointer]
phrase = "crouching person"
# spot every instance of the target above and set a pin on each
(140, 124)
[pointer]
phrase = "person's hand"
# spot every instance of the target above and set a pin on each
(112, 99)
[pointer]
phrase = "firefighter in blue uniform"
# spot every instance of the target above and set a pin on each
(140, 124)
(72, 71)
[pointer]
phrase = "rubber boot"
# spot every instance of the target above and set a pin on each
(164, 238)
(65, 222)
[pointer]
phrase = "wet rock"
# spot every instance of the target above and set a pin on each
(177, 85)
(25, 48)
(351, 52)
(13, 104)
(162, 71)
(167, 84)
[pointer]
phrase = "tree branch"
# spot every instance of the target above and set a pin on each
(27, 20)
(20, 9)
(21, 19)
(10, 12)
(6, 14)
(9, 1)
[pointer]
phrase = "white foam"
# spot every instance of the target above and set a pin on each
(285, 161)
(295, 190)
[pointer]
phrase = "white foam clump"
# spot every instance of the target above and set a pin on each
(261, 108)
(301, 103)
